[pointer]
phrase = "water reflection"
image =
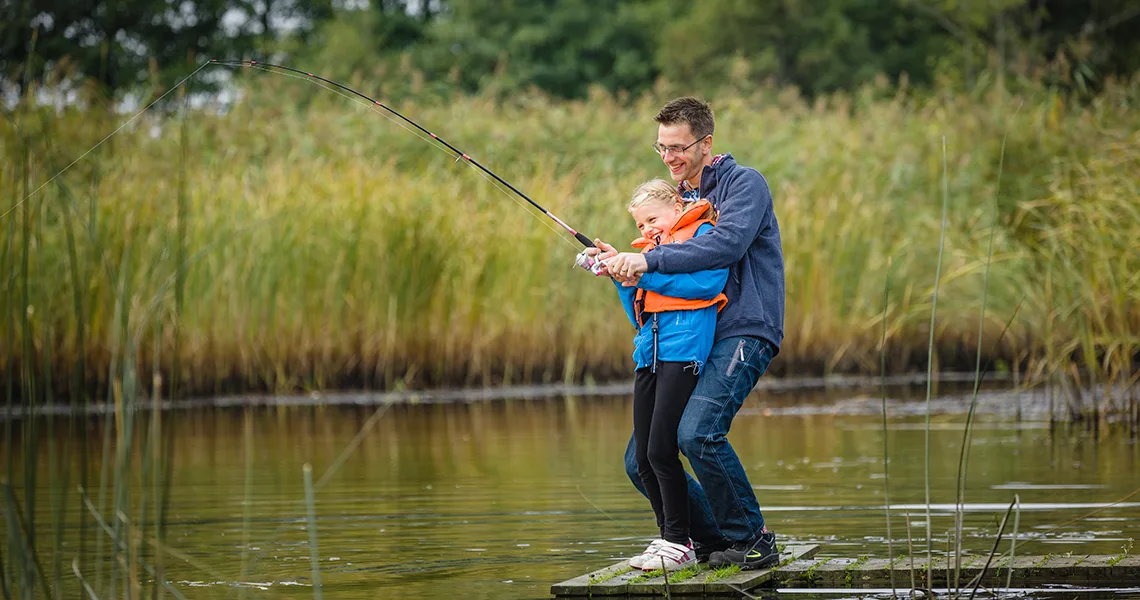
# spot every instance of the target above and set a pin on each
(502, 498)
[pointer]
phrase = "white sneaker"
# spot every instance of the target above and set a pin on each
(650, 552)
(671, 557)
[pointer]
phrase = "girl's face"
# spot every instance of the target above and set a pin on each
(656, 218)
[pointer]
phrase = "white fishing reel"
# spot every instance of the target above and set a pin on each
(590, 263)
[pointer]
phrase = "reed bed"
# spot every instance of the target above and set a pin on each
(300, 241)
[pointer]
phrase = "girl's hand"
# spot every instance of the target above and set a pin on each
(603, 252)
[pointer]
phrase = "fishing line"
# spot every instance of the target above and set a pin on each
(496, 181)
(433, 141)
(109, 136)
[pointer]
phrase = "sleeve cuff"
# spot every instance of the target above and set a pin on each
(652, 262)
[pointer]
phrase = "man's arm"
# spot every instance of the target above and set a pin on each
(699, 285)
(743, 213)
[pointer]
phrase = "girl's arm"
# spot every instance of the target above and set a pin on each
(626, 296)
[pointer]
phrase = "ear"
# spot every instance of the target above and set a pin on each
(706, 145)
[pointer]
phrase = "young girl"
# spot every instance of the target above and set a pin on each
(675, 316)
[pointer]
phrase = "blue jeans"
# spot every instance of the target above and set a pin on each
(722, 506)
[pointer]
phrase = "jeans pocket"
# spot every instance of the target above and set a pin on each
(737, 357)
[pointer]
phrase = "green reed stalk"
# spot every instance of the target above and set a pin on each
(109, 531)
(886, 445)
(8, 283)
(964, 453)
(314, 554)
(78, 373)
(21, 529)
(128, 403)
(1013, 542)
(30, 438)
(122, 387)
(9, 368)
(4, 579)
(79, 396)
(930, 362)
(247, 499)
(57, 481)
(151, 454)
(910, 552)
(993, 551)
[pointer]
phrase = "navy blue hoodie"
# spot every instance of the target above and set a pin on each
(746, 239)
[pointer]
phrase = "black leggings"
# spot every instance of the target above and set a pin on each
(659, 399)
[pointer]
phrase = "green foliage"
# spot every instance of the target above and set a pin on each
(128, 44)
(816, 45)
(406, 48)
(562, 47)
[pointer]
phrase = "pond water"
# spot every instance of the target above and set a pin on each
(502, 498)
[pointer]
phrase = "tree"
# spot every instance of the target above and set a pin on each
(367, 40)
(558, 46)
(817, 45)
(121, 44)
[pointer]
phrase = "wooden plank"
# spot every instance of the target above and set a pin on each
(580, 586)
(746, 580)
(700, 583)
(615, 580)
(1126, 568)
(798, 569)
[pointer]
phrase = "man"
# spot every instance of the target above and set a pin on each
(726, 522)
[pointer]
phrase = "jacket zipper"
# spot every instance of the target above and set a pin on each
(653, 367)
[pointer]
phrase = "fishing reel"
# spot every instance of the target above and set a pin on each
(590, 263)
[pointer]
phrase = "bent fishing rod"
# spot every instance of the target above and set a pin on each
(582, 260)
(459, 154)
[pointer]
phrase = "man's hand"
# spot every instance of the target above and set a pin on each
(627, 266)
(603, 252)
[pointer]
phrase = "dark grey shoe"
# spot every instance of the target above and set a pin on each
(704, 551)
(758, 554)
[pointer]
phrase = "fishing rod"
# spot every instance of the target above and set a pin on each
(582, 260)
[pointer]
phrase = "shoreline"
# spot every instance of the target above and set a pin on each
(468, 395)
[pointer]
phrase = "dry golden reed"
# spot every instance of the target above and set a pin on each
(322, 245)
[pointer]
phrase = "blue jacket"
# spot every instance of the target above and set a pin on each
(746, 239)
(682, 335)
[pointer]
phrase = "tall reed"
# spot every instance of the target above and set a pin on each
(326, 247)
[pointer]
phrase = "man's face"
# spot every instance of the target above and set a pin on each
(684, 165)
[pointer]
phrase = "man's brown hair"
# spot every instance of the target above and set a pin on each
(687, 109)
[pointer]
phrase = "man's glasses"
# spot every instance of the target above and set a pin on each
(675, 150)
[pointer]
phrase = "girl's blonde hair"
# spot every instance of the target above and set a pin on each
(659, 190)
(654, 190)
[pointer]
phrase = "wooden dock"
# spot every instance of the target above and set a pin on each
(799, 569)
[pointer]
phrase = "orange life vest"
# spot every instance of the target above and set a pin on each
(686, 227)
